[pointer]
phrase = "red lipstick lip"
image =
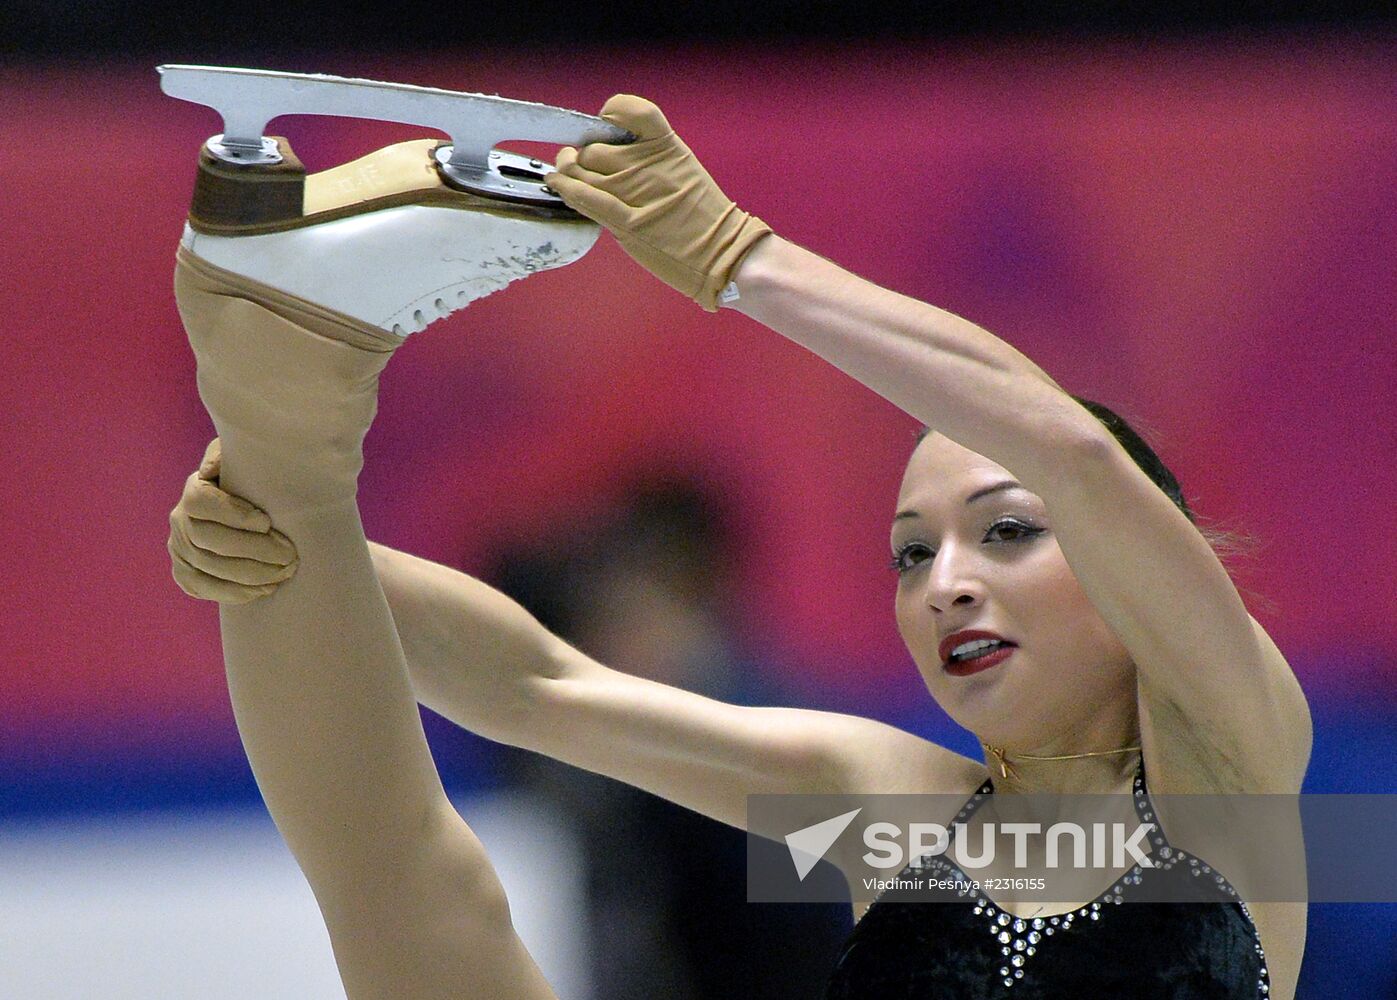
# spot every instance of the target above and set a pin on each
(980, 663)
(953, 640)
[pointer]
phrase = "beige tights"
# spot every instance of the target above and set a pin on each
(316, 673)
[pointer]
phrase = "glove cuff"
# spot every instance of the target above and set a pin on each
(744, 234)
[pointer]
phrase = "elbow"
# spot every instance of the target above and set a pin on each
(1081, 435)
(1066, 443)
(1302, 724)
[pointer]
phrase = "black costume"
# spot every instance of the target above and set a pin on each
(966, 948)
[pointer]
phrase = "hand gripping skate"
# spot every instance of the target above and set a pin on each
(400, 237)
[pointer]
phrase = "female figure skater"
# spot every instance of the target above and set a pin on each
(1120, 647)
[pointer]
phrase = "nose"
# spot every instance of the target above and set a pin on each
(952, 581)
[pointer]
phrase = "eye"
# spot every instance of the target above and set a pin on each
(1006, 529)
(910, 555)
(1018, 528)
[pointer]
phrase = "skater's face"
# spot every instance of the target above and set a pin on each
(993, 564)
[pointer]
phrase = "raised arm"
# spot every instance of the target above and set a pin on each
(1208, 671)
(1206, 668)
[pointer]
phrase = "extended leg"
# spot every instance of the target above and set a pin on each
(316, 673)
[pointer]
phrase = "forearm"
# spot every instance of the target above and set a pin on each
(952, 375)
(474, 655)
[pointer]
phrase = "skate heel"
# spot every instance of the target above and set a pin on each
(236, 198)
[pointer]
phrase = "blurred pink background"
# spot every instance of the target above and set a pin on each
(1200, 238)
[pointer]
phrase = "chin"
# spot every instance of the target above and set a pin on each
(975, 703)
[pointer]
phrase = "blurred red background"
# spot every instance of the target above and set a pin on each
(1200, 238)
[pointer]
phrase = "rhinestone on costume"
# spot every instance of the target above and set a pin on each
(1019, 926)
(1003, 920)
(1017, 960)
(1005, 937)
(1030, 950)
(1037, 923)
(1034, 937)
(1018, 973)
(1095, 915)
(1008, 982)
(1048, 931)
(1019, 944)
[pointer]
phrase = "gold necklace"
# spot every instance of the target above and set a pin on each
(1006, 769)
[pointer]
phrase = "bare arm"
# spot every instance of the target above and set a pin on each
(952, 375)
(1208, 672)
(478, 658)
(475, 656)
(1145, 567)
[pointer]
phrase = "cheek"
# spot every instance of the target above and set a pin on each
(1073, 620)
(1067, 593)
(902, 612)
(918, 632)
(1047, 603)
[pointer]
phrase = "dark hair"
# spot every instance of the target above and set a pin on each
(1225, 543)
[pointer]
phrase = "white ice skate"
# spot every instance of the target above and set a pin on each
(398, 238)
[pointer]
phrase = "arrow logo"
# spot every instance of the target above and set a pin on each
(809, 845)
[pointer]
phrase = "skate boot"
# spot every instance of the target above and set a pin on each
(399, 238)
(295, 290)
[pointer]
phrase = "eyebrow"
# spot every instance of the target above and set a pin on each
(1007, 484)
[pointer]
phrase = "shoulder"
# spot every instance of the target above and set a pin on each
(867, 757)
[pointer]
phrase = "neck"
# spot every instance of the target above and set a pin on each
(1064, 771)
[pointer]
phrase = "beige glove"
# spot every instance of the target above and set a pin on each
(660, 203)
(222, 548)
